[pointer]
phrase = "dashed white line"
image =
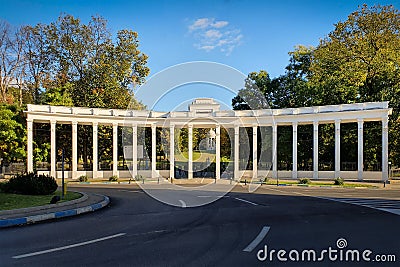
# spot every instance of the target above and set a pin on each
(183, 203)
(67, 247)
(130, 191)
(244, 200)
(257, 240)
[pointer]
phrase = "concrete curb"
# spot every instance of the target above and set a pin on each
(54, 215)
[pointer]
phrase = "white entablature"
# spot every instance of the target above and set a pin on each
(370, 111)
(206, 113)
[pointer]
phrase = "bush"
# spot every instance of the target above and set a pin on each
(83, 178)
(113, 178)
(30, 184)
(304, 181)
(338, 181)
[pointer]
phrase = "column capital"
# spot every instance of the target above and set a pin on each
(360, 120)
(315, 123)
(295, 123)
(29, 120)
(115, 124)
(337, 121)
(95, 123)
(53, 121)
(385, 122)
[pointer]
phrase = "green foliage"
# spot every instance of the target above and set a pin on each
(41, 152)
(12, 133)
(113, 178)
(304, 181)
(83, 178)
(30, 184)
(59, 95)
(338, 181)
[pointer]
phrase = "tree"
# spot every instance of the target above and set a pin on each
(11, 58)
(38, 57)
(12, 134)
(359, 61)
(103, 73)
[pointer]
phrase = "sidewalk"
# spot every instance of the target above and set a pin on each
(87, 203)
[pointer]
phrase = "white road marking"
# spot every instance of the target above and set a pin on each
(130, 191)
(213, 196)
(183, 203)
(67, 247)
(258, 239)
(244, 200)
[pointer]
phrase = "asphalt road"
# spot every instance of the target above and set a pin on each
(137, 230)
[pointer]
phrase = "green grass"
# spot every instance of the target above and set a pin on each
(197, 156)
(16, 201)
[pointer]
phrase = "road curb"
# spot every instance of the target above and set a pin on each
(54, 215)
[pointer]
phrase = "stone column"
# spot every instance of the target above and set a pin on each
(53, 160)
(360, 163)
(74, 149)
(95, 149)
(236, 153)
(217, 152)
(190, 151)
(294, 167)
(153, 151)
(255, 159)
(115, 149)
(134, 151)
(172, 151)
(29, 163)
(337, 148)
(274, 151)
(385, 148)
(315, 150)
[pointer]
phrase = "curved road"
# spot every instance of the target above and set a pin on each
(136, 230)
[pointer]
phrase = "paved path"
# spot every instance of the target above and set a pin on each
(137, 230)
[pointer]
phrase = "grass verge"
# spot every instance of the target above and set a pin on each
(17, 201)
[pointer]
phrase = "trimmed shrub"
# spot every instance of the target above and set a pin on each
(338, 181)
(113, 178)
(304, 181)
(83, 178)
(30, 184)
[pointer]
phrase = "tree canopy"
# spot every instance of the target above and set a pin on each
(359, 61)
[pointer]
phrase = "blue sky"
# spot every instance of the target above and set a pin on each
(246, 35)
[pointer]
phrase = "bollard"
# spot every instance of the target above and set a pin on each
(143, 180)
(129, 181)
(245, 182)
(158, 180)
(384, 183)
(64, 189)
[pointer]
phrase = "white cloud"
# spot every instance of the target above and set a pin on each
(213, 34)
(200, 24)
(210, 34)
(220, 24)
